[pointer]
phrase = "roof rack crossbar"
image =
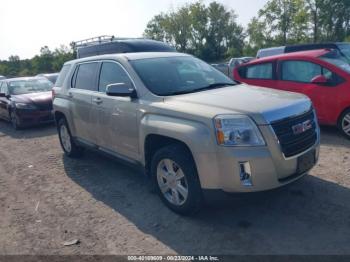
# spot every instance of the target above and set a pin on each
(100, 40)
(94, 40)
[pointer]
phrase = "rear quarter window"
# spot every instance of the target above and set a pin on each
(62, 76)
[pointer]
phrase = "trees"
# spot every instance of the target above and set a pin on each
(279, 22)
(46, 62)
(212, 33)
(282, 22)
(314, 7)
(209, 32)
(334, 20)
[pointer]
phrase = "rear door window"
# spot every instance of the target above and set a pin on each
(86, 76)
(259, 71)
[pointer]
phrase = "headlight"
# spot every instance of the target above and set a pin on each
(237, 130)
(24, 106)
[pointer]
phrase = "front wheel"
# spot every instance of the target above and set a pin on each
(14, 121)
(67, 142)
(344, 123)
(175, 175)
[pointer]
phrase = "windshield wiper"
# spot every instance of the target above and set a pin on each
(209, 87)
(214, 86)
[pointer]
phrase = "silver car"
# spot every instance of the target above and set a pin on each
(190, 128)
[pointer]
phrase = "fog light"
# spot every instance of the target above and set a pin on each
(245, 174)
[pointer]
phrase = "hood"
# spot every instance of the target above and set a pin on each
(264, 105)
(42, 100)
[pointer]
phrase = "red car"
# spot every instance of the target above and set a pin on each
(26, 101)
(323, 75)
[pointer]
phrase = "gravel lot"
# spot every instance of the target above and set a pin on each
(47, 199)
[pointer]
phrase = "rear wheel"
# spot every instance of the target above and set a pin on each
(175, 176)
(344, 123)
(67, 142)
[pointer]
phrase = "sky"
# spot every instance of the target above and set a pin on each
(27, 25)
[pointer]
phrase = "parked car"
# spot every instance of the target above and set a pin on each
(322, 75)
(191, 128)
(342, 47)
(110, 45)
(52, 77)
(2, 77)
(227, 68)
(26, 101)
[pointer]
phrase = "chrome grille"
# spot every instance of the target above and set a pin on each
(293, 143)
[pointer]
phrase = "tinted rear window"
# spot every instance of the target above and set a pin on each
(86, 76)
(259, 71)
(300, 71)
(62, 76)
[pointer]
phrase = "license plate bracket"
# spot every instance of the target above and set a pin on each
(306, 162)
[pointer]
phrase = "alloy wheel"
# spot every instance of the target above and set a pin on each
(172, 182)
(346, 124)
(65, 138)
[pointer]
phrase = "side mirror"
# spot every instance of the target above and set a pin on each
(3, 95)
(121, 89)
(319, 80)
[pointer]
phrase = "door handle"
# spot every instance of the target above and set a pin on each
(97, 100)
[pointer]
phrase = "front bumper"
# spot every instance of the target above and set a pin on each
(34, 117)
(268, 167)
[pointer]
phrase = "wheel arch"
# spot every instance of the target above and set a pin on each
(154, 142)
(340, 124)
(58, 116)
(341, 114)
(157, 131)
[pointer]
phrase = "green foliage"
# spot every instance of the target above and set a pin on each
(46, 62)
(282, 22)
(212, 33)
(209, 32)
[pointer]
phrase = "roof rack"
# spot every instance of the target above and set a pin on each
(108, 44)
(100, 40)
(93, 41)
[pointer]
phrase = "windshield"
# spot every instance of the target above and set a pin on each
(334, 57)
(178, 75)
(345, 50)
(52, 78)
(19, 87)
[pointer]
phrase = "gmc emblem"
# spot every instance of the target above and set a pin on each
(302, 127)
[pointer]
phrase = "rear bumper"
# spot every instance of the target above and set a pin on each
(34, 117)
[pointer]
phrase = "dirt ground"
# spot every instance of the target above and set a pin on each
(47, 199)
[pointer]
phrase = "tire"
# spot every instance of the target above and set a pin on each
(344, 123)
(14, 121)
(67, 142)
(173, 169)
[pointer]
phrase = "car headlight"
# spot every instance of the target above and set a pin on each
(24, 106)
(237, 130)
